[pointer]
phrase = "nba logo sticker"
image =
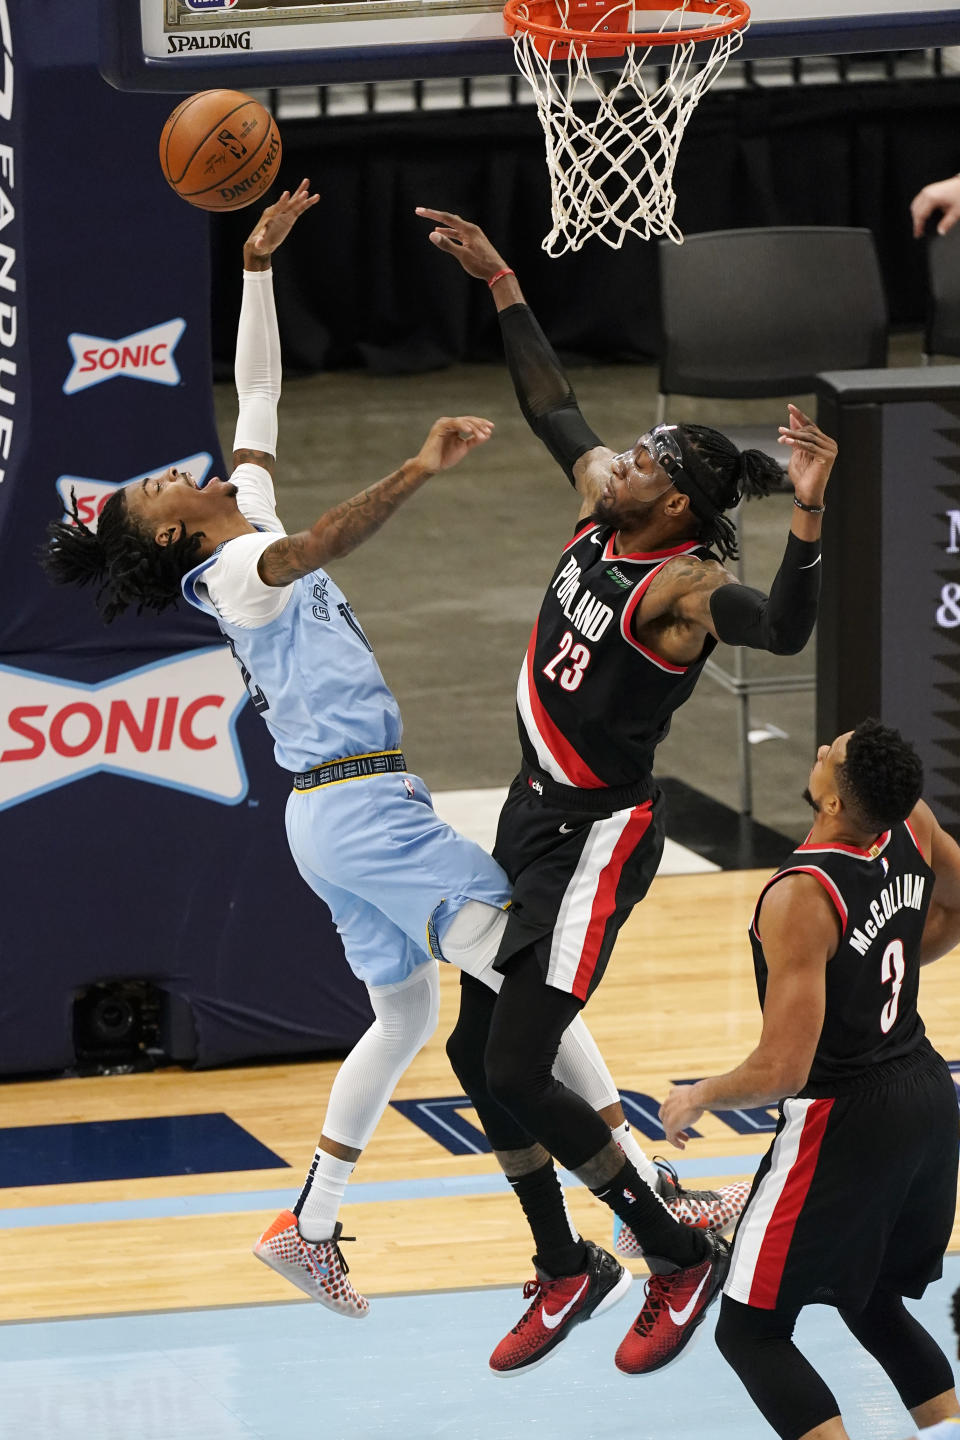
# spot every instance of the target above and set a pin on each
(210, 4)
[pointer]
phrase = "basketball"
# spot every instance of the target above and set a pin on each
(220, 150)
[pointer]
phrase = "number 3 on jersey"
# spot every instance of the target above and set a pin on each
(577, 657)
(893, 969)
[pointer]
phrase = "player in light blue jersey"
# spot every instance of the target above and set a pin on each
(404, 889)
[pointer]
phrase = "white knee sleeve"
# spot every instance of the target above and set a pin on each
(472, 939)
(581, 1067)
(405, 1017)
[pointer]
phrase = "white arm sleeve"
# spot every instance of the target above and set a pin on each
(257, 366)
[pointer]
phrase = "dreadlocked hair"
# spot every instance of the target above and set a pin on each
(881, 778)
(125, 560)
(727, 475)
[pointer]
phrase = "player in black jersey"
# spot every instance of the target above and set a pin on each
(637, 603)
(854, 1203)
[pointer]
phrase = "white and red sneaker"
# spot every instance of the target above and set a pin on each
(676, 1302)
(315, 1266)
(713, 1210)
(556, 1306)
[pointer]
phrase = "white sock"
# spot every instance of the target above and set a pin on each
(322, 1195)
(638, 1158)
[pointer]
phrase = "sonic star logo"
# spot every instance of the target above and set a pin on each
(171, 723)
(145, 355)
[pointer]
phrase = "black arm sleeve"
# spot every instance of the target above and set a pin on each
(782, 621)
(547, 402)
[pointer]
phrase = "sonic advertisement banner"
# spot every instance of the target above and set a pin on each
(141, 811)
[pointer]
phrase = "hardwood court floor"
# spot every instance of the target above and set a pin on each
(678, 1001)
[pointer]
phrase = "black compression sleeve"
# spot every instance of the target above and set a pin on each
(781, 622)
(547, 402)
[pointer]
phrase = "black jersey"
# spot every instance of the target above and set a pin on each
(592, 702)
(882, 896)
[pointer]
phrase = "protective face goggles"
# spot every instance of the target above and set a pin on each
(661, 445)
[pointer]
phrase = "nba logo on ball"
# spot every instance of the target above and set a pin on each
(210, 4)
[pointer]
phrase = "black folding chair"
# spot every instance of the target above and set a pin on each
(748, 314)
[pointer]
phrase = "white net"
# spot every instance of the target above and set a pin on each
(612, 135)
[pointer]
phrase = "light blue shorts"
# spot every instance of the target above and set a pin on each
(391, 871)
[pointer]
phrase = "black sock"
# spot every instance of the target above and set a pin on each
(558, 1252)
(649, 1219)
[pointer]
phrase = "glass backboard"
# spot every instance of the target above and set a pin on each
(184, 45)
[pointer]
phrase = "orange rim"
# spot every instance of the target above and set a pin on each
(542, 26)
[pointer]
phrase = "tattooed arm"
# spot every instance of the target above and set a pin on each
(348, 524)
(696, 596)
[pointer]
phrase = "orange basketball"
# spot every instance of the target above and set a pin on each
(220, 150)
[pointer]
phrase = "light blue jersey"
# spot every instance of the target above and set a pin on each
(311, 673)
(392, 873)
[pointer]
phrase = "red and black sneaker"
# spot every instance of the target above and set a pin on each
(676, 1302)
(556, 1306)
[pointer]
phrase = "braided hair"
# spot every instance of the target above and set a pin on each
(121, 556)
(724, 474)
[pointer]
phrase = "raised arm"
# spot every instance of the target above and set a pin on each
(347, 525)
(257, 365)
(546, 397)
(941, 931)
(704, 594)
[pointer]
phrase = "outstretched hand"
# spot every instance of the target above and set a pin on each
(451, 438)
(812, 456)
(678, 1113)
(465, 241)
(278, 220)
(942, 197)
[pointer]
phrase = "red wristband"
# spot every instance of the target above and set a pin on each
(499, 276)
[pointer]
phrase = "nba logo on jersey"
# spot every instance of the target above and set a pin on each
(409, 787)
(886, 864)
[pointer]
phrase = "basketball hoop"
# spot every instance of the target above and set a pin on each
(611, 159)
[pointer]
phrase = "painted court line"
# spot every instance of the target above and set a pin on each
(432, 1188)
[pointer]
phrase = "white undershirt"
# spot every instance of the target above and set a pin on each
(233, 583)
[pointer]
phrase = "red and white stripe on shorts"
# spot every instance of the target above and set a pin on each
(590, 898)
(768, 1223)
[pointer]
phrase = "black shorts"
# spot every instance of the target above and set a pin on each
(856, 1192)
(576, 877)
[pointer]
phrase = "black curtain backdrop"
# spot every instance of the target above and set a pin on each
(371, 292)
